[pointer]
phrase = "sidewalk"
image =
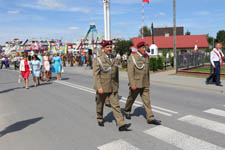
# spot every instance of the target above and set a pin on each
(165, 78)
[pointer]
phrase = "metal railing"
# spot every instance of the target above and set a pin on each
(189, 60)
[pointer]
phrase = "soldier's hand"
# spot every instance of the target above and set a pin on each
(133, 87)
(214, 66)
(100, 91)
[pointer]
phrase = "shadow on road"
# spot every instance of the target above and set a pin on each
(139, 111)
(109, 117)
(9, 90)
(19, 126)
(54, 78)
(42, 84)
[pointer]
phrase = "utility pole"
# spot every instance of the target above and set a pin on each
(153, 41)
(174, 36)
(107, 22)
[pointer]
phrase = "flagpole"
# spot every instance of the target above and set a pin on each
(143, 19)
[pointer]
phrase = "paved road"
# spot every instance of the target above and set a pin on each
(61, 115)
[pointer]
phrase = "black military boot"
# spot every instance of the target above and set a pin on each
(125, 127)
(155, 122)
(101, 124)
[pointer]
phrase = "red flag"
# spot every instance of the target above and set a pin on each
(146, 1)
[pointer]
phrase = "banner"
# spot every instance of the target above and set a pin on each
(60, 48)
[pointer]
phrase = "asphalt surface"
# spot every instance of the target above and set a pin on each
(61, 115)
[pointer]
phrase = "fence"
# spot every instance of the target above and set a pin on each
(188, 60)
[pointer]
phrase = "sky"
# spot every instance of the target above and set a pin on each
(69, 19)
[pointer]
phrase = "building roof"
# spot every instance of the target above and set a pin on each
(183, 41)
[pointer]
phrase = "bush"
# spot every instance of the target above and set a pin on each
(160, 63)
(153, 64)
(172, 61)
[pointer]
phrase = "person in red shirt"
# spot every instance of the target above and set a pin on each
(25, 70)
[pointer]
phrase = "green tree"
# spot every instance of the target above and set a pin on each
(172, 61)
(123, 46)
(221, 36)
(188, 32)
(146, 30)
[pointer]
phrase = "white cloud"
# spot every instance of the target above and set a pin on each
(162, 14)
(13, 12)
(75, 9)
(53, 5)
(202, 13)
(74, 28)
(50, 4)
(134, 1)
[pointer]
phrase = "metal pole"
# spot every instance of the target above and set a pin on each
(153, 42)
(105, 19)
(108, 20)
(143, 20)
(174, 36)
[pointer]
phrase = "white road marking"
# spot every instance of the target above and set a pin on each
(204, 123)
(217, 112)
(180, 139)
(76, 87)
(167, 111)
(123, 100)
(118, 145)
(135, 104)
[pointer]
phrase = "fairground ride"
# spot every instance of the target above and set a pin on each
(90, 44)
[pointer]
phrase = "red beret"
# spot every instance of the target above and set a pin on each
(105, 43)
(140, 44)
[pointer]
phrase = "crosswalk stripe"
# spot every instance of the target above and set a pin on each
(217, 112)
(204, 123)
(180, 140)
(118, 145)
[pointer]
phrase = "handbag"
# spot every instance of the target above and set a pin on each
(19, 78)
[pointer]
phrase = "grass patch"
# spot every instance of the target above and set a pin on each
(192, 75)
(206, 69)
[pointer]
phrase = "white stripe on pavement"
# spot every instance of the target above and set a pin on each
(217, 112)
(140, 105)
(204, 123)
(118, 145)
(135, 104)
(76, 87)
(67, 83)
(163, 113)
(123, 100)
(180, 139)
(167, 111)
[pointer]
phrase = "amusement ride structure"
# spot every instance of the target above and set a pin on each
(85, 43)
(107, 30)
